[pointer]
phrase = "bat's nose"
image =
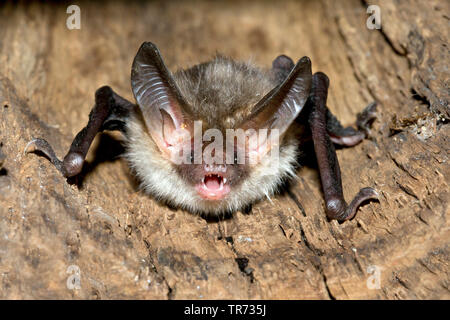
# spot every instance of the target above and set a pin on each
(215, 168)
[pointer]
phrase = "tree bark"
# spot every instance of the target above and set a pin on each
(126, 245)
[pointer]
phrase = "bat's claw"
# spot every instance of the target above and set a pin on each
(42, 146)
(363, 195)
(349, 136)
(366, 117)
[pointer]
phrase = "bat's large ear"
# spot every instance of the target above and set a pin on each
(279, 108)
(159, 99)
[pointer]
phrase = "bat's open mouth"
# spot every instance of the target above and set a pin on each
(213, 187)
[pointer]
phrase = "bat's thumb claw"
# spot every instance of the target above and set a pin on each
(28, 146)
(365, 194)
(365, 118)
(41, 145)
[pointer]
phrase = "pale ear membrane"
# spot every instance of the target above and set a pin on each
(159, 98)
(279, 108)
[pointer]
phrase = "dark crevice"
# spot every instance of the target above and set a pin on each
(330, 295)
(3, 171)
(282, 230)
(407, 190)
(418, 97)
(296, 201)
(418, 216)
(245, 269)
(391, 45)
(401, 282)
(423, 264)
(247, 210)
(314, 258)
(241, 260)
(170, 290)
(307, 243)
(401, 167)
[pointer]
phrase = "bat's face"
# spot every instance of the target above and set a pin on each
(215, 137)
(211, 188)
(215, 181)
(238, 177)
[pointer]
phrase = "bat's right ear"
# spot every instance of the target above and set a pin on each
(159, 99)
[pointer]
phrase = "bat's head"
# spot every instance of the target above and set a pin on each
(214, 138)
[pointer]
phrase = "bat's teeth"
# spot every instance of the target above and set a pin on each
(213, 186)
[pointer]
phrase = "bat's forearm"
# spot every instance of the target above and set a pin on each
(330, 174)
(110, 112)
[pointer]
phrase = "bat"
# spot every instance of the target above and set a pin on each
(176, 113)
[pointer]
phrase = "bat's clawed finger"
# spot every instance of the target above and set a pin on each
(366, 117)
(38, 145)
(349, 139)
(365, 194)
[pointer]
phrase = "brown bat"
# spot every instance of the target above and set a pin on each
(223, 94)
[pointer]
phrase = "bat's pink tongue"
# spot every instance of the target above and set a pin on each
(213, 187)
(212, 182)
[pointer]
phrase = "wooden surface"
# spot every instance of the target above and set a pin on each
(126, 245)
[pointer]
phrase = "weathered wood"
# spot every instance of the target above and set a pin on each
(126, 245)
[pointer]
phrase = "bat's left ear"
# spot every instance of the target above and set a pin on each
(279, 108)
(159, 99)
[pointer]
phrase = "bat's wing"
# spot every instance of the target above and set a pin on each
(110, 112)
